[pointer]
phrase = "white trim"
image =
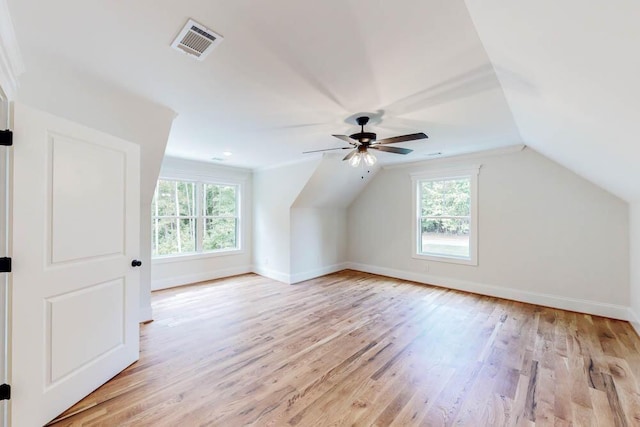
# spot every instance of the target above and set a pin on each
(634, 319)
(555, 301)
(272, 274)
(312, 274)
(460, 157)
(448, 259)
(168, 259)
(436, 174)
(146, 314)
(11, 65)
(188, 279)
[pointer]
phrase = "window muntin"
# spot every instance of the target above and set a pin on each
(194, 217)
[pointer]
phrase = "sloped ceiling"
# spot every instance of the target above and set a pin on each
(571, 73)
(289, 73)
(334, 184)
(561, 77)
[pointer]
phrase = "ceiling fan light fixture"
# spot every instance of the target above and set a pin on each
(355, 160)
(369, 158)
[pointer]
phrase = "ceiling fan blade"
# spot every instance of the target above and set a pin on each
(402, 138)
(396, 150)
(344, 138)
(350, 155)
(328, 149)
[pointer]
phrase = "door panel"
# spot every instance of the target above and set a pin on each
(75, 231)
(73, 344)
(86, 223)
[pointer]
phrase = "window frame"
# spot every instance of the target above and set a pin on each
(470, 172)
(200, 218)
(176, 217)
(204, 217)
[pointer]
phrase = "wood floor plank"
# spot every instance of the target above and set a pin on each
(357, 349)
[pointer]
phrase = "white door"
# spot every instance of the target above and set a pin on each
(76, 220)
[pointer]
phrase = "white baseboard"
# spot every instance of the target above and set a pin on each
(308, 275)
(634, 319)
(272, 274)
(171, 282)
(146, 314)
(582, 306)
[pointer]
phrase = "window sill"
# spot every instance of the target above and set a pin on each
(195, 256)
(451, 260)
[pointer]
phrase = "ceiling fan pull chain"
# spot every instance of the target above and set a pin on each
(363, 166)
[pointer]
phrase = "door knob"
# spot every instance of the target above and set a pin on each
(136, 263)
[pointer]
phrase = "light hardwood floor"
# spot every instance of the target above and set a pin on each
(357, 349)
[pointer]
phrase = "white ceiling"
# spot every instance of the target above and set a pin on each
(288, 73)
(570, 70)
(333, 184)
(561, 77)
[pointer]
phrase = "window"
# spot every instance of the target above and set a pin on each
(194, 217)
(220, 217)
(446, 216)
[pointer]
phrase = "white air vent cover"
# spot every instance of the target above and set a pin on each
(196, 40)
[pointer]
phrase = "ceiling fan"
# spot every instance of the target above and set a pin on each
(367, 140)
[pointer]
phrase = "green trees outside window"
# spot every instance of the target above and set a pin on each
(445, 215)
(192, 217)
(220, 216)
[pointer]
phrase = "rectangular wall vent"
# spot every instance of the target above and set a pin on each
(196, 40)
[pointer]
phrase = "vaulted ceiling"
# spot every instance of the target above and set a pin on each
(570, 71)
(560, 77)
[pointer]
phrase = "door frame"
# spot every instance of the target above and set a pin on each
(11, 68)
(5, 251)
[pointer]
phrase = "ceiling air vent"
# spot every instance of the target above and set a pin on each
(196, 40)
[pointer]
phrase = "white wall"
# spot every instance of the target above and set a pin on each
(634, 256)
(275, 191)
(300, 217)
(55, 87)
(177, 271)
(318, 230)
(318, 242)
(546, 235)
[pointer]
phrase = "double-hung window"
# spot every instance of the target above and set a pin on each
(190, 217)
(220, 217)
(445, 216)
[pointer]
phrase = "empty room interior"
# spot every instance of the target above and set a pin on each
(319, 213)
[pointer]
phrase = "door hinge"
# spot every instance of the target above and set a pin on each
(5, 265)
(5, 392)
(6, 138)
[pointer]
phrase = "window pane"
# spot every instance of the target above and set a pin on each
(169, 239)
(450, 197)
(220, 233)
(445, 237)
(219, 200)
(175, 198)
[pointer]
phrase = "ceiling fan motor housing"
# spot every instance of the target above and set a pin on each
(364, 137)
